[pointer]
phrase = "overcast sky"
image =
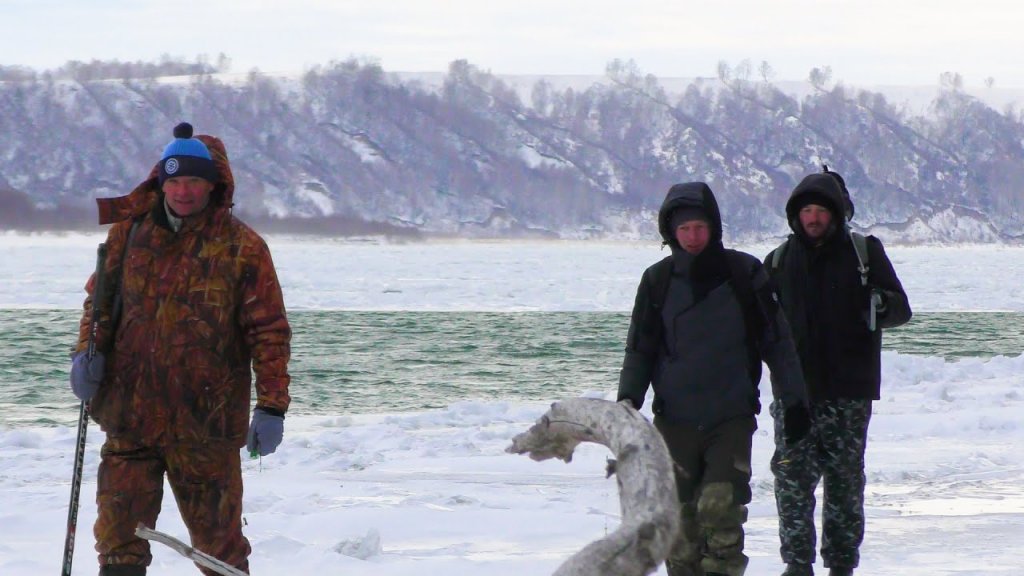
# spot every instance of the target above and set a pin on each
(865, 42)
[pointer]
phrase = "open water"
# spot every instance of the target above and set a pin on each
(346, 362)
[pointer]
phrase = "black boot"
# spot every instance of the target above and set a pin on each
(798, 570)
(122, 570)
(835, 571)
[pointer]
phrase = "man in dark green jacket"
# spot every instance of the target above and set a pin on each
(704, 319)
(838, 290)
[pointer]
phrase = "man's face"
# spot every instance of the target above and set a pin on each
(815, 220)
(187, 195)
(693, 235)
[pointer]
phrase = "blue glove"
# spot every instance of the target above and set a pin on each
(86, 374)
(265, 432)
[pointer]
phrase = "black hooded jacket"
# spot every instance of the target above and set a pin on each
(827, 305)
(701, 325)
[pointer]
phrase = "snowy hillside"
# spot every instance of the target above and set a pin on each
(350, 148)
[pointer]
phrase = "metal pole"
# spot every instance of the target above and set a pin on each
(83, 418)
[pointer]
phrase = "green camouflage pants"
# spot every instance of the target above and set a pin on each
(207, 485)
(833, 451)
(713, 481)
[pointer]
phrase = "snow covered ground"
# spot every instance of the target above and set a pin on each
(434, 492)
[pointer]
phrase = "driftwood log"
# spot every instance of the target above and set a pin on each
(201, 558)
(644, 471)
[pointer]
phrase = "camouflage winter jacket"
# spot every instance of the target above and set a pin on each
(200, 307)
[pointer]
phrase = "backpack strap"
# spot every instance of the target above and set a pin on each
(742, 281)
(115, 313)
(860, 247)
(661, 278)
(777, 255)
(753, 316)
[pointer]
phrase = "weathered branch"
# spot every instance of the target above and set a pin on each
(201, 558)
(644, 471)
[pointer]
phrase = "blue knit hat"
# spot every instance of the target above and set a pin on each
(187, 156)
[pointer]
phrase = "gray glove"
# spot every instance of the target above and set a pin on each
(265, 432)
(86, 374)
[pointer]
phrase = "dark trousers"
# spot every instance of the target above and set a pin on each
(207, 484)
(833, 451)
(713, 481)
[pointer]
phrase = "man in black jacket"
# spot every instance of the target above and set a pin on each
(838, 289)
(704, 319)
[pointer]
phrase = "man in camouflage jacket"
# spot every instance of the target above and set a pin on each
(201, 310)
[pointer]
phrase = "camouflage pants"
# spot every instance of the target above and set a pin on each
(832, 451)
(713, 480)
(207, 485)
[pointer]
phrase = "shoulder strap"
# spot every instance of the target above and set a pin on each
(115, 313)
(753, 318)
(661, 278)
(742, 282)
(860, 246)
(777, 255)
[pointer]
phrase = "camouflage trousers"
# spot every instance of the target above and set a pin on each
(713, 481)
(207, 484)
(833, 451)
